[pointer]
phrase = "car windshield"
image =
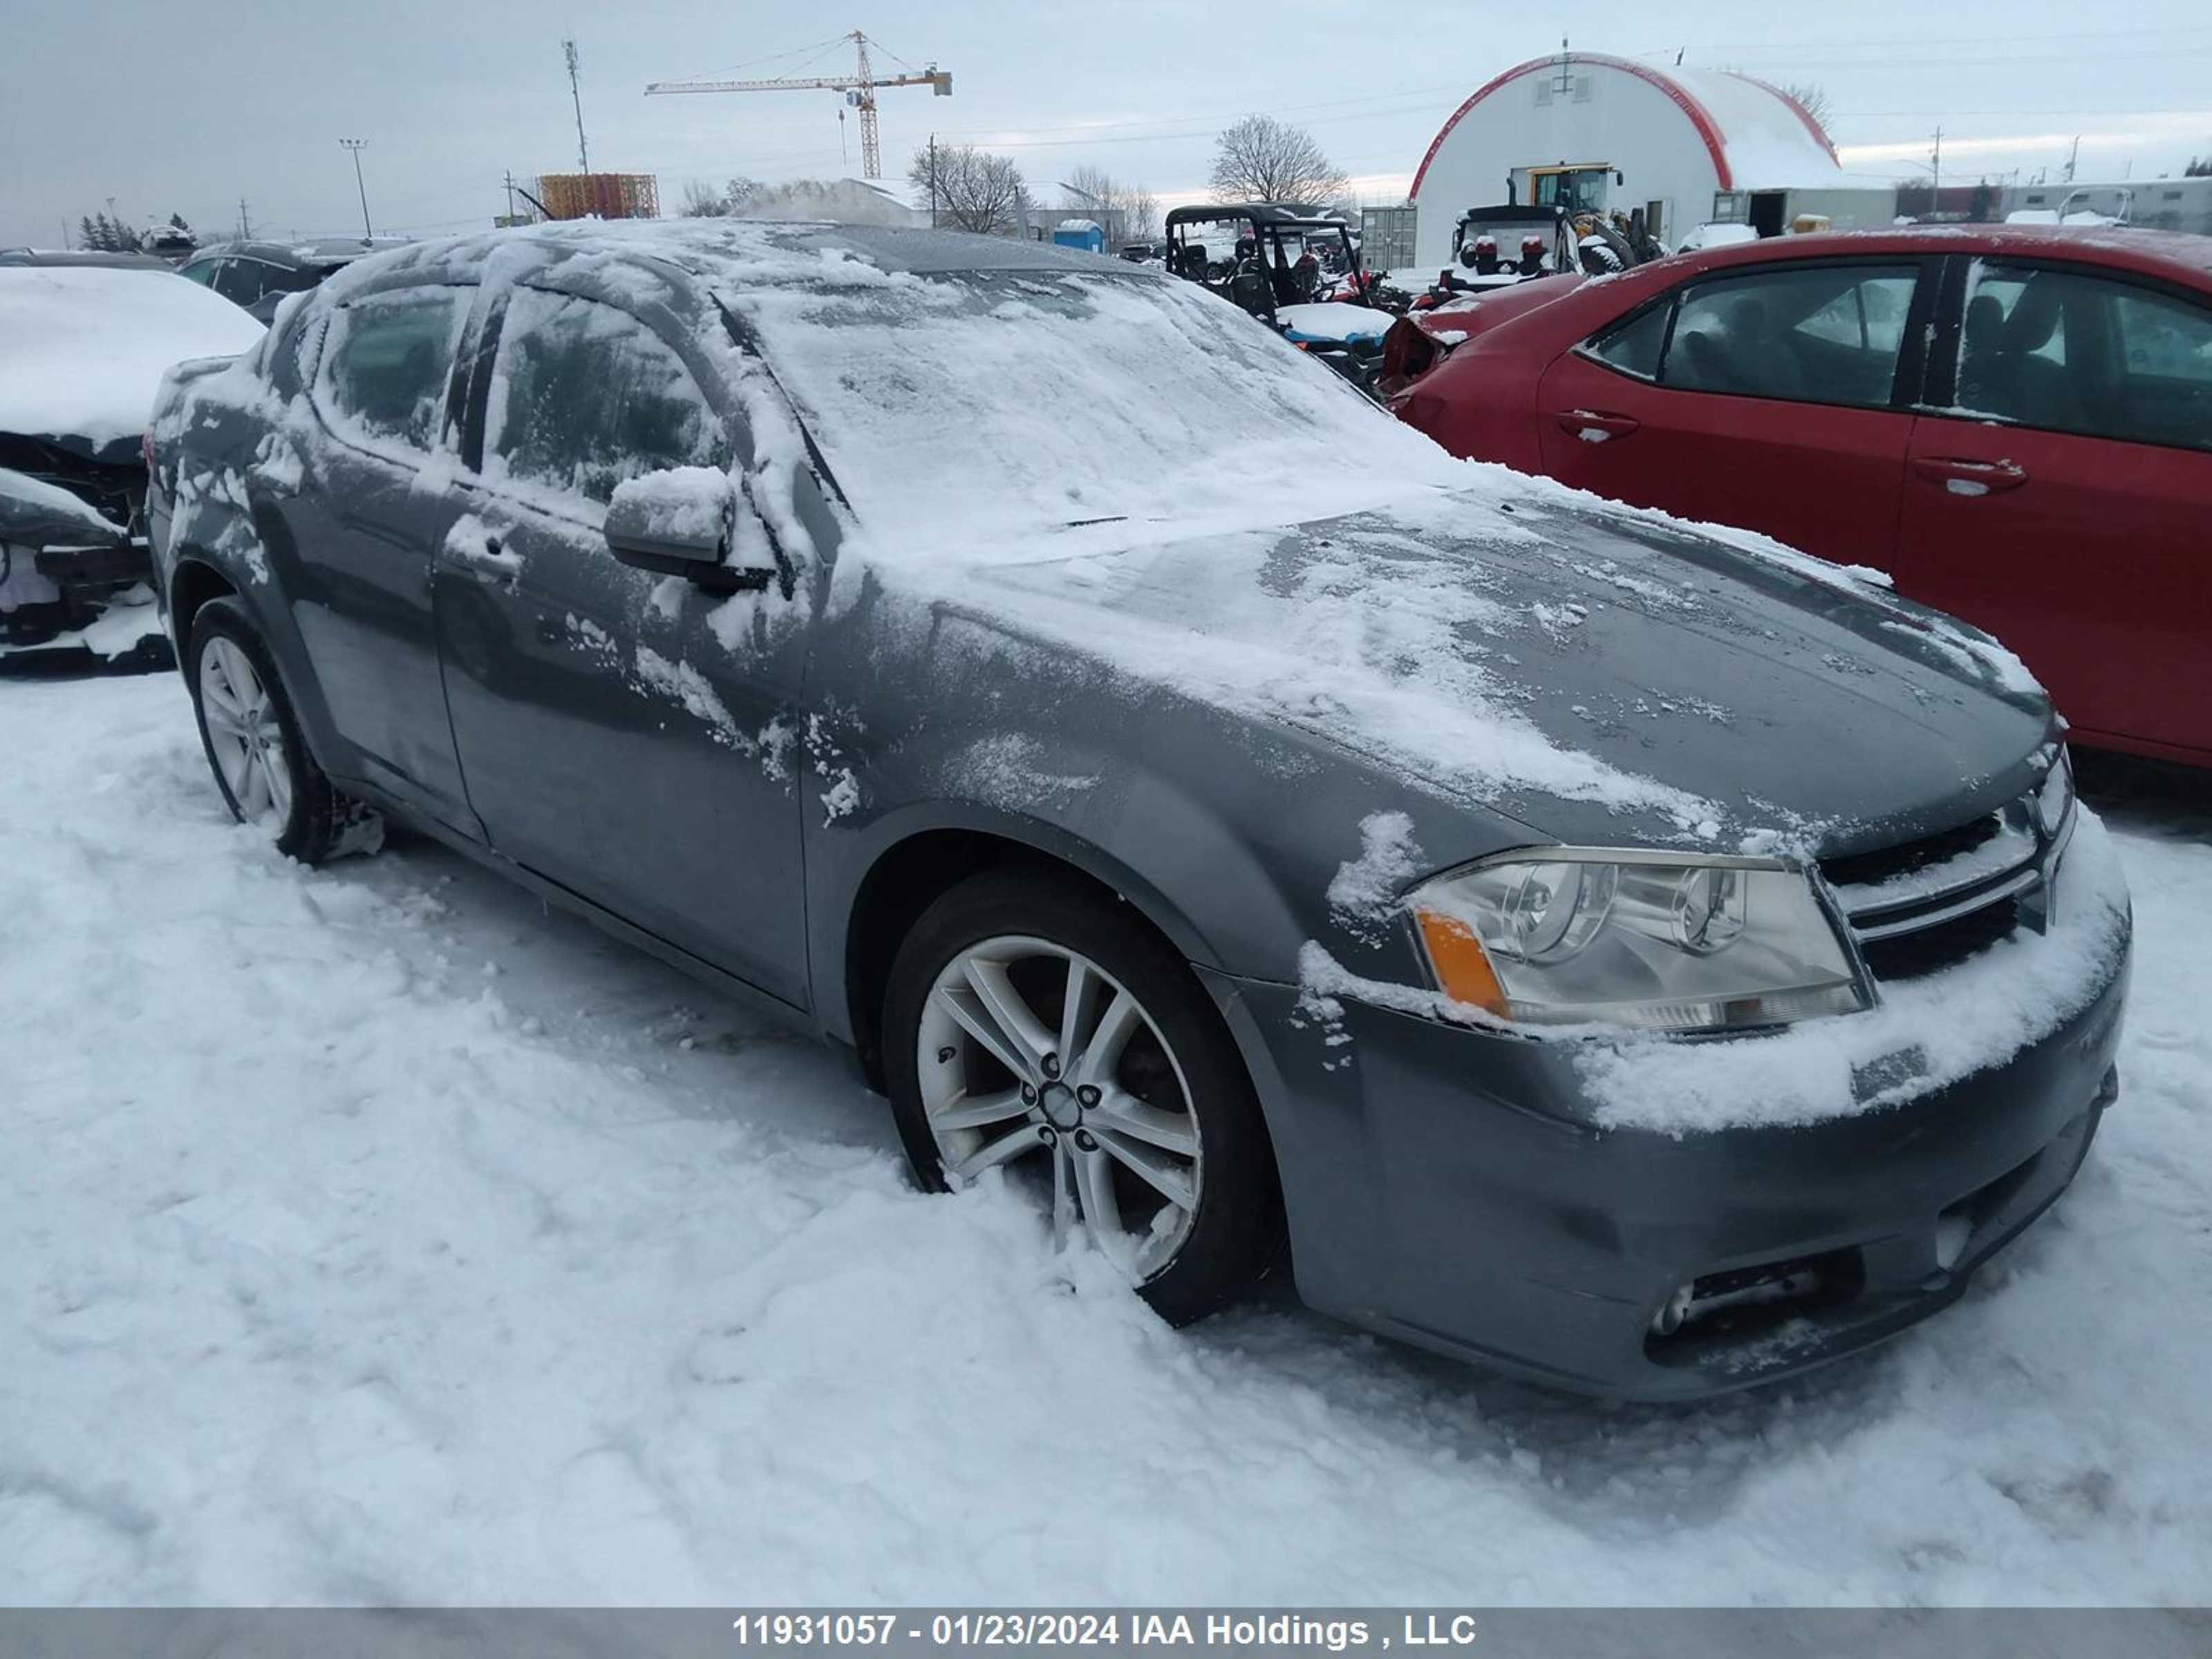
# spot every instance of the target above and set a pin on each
(985, 404)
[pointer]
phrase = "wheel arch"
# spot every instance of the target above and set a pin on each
(192, 583)
(916, 865)
(198, 575)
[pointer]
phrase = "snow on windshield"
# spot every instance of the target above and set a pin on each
(83, 348)
(981, 405)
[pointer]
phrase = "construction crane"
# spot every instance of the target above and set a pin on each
(859, 88)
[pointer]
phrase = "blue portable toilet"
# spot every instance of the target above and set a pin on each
(1080, 233)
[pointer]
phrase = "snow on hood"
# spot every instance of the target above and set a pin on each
(82, 348)
(1135, 471)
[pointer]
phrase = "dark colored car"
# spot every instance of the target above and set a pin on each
(2016, 422)
(259, 275)
(83, 341)
(1646, 965)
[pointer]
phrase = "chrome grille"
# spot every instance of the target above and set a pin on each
(1928, 904)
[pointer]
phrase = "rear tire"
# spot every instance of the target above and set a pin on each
(255, 747)
(1134, 1112)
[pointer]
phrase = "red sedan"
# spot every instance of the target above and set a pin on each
(2016, 422)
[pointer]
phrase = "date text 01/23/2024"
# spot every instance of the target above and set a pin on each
(1245, 1631)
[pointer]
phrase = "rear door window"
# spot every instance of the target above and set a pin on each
(386, 361)
(1813, 334)
(584, 396)
(1634, 347)
(2068, 351)
(240, 281)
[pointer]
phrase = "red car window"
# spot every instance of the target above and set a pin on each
(1818, 334)
(2066, 352)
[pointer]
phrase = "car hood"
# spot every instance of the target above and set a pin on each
(82, 349)
(1597, 674)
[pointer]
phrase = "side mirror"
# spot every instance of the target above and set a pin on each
(682, 522)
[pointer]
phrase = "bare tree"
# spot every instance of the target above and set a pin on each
(702, 201)
(1095, 189)
(967, 189)
(1263, 159)
(1813, 98)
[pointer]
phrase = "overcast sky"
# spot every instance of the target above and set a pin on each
(187, 105)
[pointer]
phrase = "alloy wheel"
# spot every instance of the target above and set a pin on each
(246, 735)
(1031, 1052)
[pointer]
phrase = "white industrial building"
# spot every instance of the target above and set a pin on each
(1684, 147)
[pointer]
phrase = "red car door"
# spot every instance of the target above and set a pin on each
(1774, 398)
(2060, 502)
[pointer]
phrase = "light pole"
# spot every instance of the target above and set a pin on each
(357, 145)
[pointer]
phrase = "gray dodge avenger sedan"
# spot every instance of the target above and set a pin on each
(1622, 953)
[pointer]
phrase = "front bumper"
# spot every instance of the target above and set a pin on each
(72, 604)
(1446, 1186)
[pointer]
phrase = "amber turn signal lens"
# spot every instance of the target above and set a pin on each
(1464, 969)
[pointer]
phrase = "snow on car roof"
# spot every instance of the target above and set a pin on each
(83, 348)
(736, 245)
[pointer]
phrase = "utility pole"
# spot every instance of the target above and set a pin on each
(510, 194)
(245, 224)
(357, 145)
(2072, 156)
(932, 181)
(66, 243)
(577, 96)
(1936, 176)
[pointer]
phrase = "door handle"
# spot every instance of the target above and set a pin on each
(1965, 477)
(1583, 422)
(479, 550)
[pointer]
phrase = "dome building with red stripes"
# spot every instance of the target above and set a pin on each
(1683, 146)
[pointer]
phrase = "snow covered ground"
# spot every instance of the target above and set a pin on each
(372, 1235)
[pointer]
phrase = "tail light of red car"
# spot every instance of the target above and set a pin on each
(1407, 353)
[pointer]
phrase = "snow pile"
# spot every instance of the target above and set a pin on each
(370, 1234)
(1334, 321)
(689, 505)
(831, 201)
(1364, 893)
(83, 348)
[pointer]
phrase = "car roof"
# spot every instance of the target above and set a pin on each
(2151, 252)
(325, 251)
(712, 250)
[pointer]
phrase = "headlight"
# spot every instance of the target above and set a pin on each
(1659, 941)
(2054, 797)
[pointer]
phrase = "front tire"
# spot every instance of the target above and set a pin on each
(1033, 1024)
(255, 748)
